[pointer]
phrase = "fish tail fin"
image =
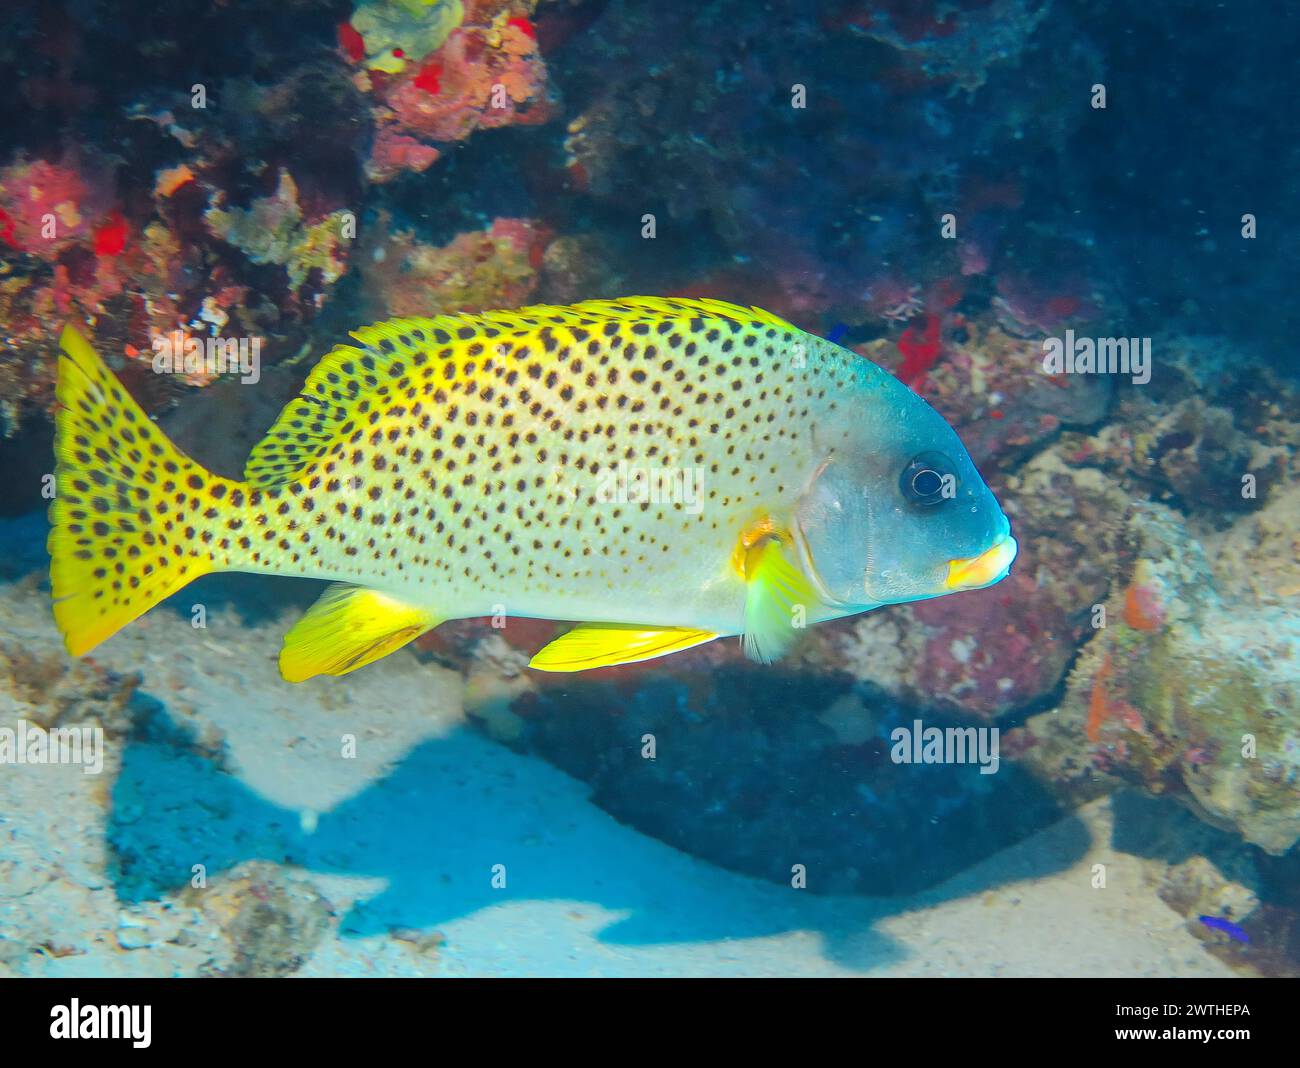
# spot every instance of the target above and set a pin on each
(132, 518)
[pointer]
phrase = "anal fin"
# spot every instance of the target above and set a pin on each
(595, 645)
(349, 627)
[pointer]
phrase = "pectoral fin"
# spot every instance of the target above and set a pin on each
(778, 601)
(349, 627)
(593, 645)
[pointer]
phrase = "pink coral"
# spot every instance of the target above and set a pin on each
(1024, 643)
(480, 78)
(394, 152)
(1030, 306)
(45, 207)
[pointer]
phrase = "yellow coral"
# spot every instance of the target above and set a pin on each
(271, 230)
(414, 28)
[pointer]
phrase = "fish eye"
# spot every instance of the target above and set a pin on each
(926, 478)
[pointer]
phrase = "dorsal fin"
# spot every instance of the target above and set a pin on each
(351, 380)
(641, 307)
(339, 389)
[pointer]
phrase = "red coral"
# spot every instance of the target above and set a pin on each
(525, 236)
(946, 293)
(110, 238)
(522, 24)
(430, 77)
(7, 234)
(1142, 608)
(352, 43)
(988, 651)
(919, 351)
(1099, 706)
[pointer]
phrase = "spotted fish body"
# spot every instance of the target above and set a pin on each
(463, 465)
(469, 473)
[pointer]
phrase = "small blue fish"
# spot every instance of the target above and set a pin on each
(836, 333)
(1227, 927)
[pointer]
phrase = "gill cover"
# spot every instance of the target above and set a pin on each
(833, 522)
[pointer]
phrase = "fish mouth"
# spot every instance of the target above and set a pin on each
(989, 567)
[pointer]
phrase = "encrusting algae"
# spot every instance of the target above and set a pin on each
(442, 467)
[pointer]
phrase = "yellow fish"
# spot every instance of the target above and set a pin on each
(667, 471)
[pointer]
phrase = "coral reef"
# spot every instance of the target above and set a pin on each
(439, 73)
(991, 652)
(1183, 695)
(1211, 416)
(477, 271)
(663, 131)
(237, 214)
(46, 207)
(992, 388)
(272, 230)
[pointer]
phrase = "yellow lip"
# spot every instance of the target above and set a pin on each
(983, 570)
